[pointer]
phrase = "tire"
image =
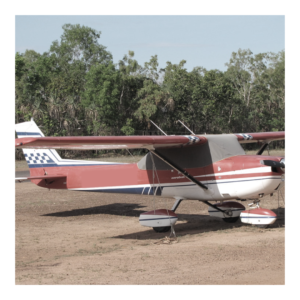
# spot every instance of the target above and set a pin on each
(261, 226)
(162, 229)
(231, 220)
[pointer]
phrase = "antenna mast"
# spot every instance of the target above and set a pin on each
(187, 128)
(158, 127)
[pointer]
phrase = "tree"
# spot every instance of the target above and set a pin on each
(151, 97)
(101, 97)
(76, 53)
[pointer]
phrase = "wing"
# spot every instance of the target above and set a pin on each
(108, 142)
(131, 142)
(264, 137)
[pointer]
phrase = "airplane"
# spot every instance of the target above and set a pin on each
(209, 168)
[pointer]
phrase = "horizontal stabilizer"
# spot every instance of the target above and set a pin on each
(40, 177)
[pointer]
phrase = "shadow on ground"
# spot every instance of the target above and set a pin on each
(194, 223)
(200, 224)
(117, 209)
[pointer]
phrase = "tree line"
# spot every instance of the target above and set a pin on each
(76, 89)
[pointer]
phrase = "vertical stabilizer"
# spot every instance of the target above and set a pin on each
(36, 158)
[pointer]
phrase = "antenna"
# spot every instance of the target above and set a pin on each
(187, 128)
(157, 127)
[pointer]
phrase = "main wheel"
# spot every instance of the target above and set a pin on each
(261, 226)
(231, 220)
(162, 229)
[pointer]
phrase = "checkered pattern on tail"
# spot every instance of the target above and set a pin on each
(38, 158)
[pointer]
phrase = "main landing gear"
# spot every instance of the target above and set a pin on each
(168, 228)
(228, 211)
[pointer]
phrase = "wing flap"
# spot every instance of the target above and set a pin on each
(108, 142)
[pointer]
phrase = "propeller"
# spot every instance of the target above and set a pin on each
(273, 163)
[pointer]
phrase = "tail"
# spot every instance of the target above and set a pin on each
(44, 158)
(36, 158)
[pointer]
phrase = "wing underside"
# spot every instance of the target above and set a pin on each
(108, 142)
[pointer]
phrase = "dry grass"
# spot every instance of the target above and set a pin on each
(277, 152)
(21, 165)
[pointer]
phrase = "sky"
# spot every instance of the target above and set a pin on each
(202, 40)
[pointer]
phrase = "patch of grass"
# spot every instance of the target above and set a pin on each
(21, 165)
(275, 152)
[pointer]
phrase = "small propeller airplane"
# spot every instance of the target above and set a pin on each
(206, 167)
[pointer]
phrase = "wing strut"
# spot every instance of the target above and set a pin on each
(179, 169)
(262, 149)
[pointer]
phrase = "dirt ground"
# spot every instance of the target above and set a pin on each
(65, 237)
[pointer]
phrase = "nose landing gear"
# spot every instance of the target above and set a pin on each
(228, 211)
(258, 216)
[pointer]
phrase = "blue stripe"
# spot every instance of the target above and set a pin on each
(137, 190)
(163, 218)
(117, 191)
(224, 208)
(28, 133)
(146, 190)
